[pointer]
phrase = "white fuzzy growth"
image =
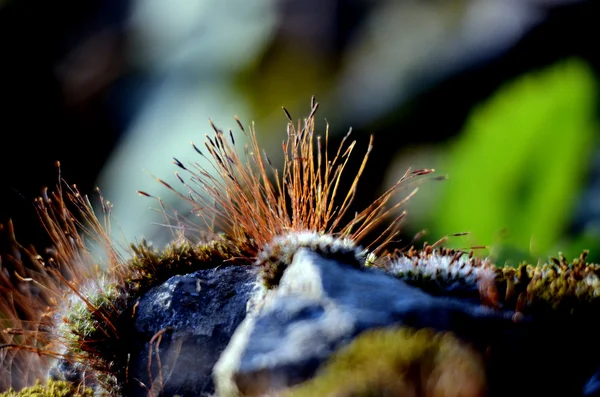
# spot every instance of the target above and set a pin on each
(462, 268)
(284, 247)
(257, 298)
(592, 280)
(73, 307)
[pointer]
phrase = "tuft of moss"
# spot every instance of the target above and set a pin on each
(399, 362)
(277, 255)
(444, 271)
(558, 287)
(52, 388)
(150, 267)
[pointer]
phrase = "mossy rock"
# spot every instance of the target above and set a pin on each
(95, 325)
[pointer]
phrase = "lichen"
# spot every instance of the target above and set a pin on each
(399, 362)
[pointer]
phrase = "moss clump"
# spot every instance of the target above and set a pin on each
(277, 255)
(150, 267)
(556, 287)
(399, 362)
(52, 388)
(442, 272)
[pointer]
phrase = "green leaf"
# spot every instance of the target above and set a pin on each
(519, 164)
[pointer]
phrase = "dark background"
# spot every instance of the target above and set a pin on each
(71, 88)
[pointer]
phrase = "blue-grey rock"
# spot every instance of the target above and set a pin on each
(320, 305)
(592, 386)
(196, 315)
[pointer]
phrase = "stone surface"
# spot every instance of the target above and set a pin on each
(322, 304)
(592, 387)
(196, 313)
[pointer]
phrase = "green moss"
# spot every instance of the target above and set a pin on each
(399, 362)
(150, 267)
(559, 286)
(51, 389)
(505, 187)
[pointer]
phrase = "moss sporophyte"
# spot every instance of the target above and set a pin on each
(63, 305)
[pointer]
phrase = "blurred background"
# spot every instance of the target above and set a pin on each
(500, 96)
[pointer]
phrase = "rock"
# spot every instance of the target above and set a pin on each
(193, 317)
(321, 305)
(592, 387)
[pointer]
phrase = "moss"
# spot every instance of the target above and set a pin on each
(399, 362)
(51, 389)
(444, 272)
(150, 267)
(265, 213)
(558, 287)
(275, 256)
